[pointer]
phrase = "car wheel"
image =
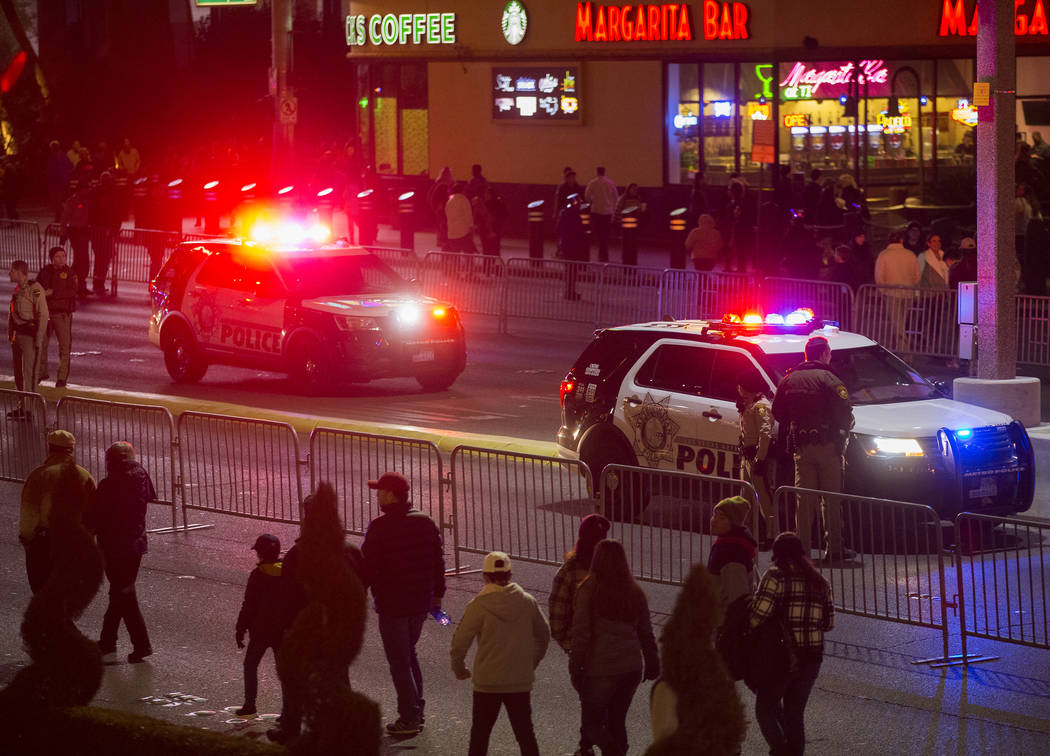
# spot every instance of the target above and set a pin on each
(182, 358)
(625, 495)
(437, 381)
(309, 367)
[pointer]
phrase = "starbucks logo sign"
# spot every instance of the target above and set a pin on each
(515, 21)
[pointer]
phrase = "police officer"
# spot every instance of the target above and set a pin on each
(60, 287)
(756, 447)
(26, 329)
(813, 404)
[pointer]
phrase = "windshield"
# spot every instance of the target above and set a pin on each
(873, 375)
(339, 275)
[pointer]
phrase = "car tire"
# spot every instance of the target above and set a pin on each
(437, 381)
(626, 498)
(308, 366)
(181, 356)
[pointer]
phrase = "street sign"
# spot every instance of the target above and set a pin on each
(221, 3)
(982, 94)
(289, 110)
(762, 133)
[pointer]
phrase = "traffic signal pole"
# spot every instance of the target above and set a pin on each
(283, 120)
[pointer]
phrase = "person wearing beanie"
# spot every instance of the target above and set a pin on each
(593, 528)
(512, 636)
(732, 559)
(756, 447)
(262, 615)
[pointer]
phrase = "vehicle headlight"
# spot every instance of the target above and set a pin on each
(348, 323)
(905, 447)
(408, 314)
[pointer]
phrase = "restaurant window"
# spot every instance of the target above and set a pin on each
(394, 124)
(1033, 93)
(956, 115)
(718, 122)
(756, 93)
(683, 122)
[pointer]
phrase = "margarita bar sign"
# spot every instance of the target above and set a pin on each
(667, 22)
(1029, 19)
(803, 82)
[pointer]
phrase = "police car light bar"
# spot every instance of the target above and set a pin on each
(289, 233)
(796, 321)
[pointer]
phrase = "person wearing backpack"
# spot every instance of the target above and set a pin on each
(732, 568)
(794, 593)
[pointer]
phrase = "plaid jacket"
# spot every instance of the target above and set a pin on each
(808, 608)
(559, 606)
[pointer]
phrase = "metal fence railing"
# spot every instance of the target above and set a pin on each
(150, 429)
(474, 283)
(239, 466)
(526, 505)
(909, 321)
(23, 438)
(1033, 330)
(403, 261)
(827, 299)
(348, 460)
(20, 240)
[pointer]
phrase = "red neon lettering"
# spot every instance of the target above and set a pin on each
(583, 21)
(639, 23)
(684, 30)
(953, 19)
(614, 23)
(1020, 19)
(599, 26)
(725, 31)
(740, 21)
(711, 19)
(1037, 23)
(626, 25)
(654, 22)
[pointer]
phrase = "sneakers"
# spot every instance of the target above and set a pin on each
(248, 710)
(404, 727)
(137, 657)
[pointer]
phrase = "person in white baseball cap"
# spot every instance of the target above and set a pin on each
(512, 636)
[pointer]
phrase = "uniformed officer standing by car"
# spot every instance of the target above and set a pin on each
(60, 287)
(813, 404)
(756, 448)
(26, 329)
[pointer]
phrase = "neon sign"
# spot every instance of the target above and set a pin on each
(791, 120)
(596, 22)
(401, 29)
(894, 124)
(760, 74)
(806, 81)
(953, 20)
(535, 94)
(722, 109)
(965, 113)
(685, 120)
(759, 111)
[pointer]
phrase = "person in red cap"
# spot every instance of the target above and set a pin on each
(404, 565)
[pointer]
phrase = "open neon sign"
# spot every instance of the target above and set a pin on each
(803, 81)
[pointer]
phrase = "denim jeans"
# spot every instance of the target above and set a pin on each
(121, 570)
(400, 635)
(486, 712)
(781, 706)
(605, 701)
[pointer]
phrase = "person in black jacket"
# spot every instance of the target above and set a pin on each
(60, 288)
(262, 616)
(405, 568)
(118, 519)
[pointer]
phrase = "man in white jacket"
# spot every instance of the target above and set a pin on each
(512, 636)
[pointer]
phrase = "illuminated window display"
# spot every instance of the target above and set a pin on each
(536, 95)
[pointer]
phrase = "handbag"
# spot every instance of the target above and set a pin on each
(770, 657)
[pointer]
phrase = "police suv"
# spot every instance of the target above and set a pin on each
(319, 313)
(663, 395)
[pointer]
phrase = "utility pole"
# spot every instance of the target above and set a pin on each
(285, 104)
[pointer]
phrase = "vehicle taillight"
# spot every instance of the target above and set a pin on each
(567, 387)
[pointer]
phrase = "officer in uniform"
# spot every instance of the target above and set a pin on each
(26, 329)
(60, 285)
(756, 448)
(813, 404)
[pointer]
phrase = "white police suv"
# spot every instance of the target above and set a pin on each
(663, 395)
(321, 313)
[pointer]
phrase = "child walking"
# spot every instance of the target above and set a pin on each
(512, 636)
(262, 616)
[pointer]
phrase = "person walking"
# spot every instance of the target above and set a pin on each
(42, 487)
(129, 160)
(477, 184)
(573, 571)
(118, 520)
(512, 636)
(572, 241)
(405, 568)
(897, 267)
(460, 220)
(793, 592)
(77, 231)
(612, 648)
(704, 243)
(732, 558)
(262, 616)
(601, 194)
(26, 330)
(57, 171)
(105, 214)
(60, 289)
(813, 404)
(436, 199)
(756, 447)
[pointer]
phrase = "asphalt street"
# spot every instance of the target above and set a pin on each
(869, 699)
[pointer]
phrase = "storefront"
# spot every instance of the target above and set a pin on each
(655, 92)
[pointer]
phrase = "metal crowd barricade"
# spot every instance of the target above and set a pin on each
(23, 440)
(348, 460)
(1033, 330)
(1003, 579)
(909, 321)
(662, 517)
(628, 294)
(727, 292)
(403, 261)
(829, 300)
(20, 240)
(474, 283)
(679, 294)
(52, 237)
(553, 289)
(150, 429)
(898, 572)
(239, 466)
(141, 252)
(526, 505)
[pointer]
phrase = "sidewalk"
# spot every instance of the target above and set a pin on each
(869, 698)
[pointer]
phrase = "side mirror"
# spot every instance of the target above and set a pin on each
(943, 387)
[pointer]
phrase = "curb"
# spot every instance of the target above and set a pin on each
(444, 440)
